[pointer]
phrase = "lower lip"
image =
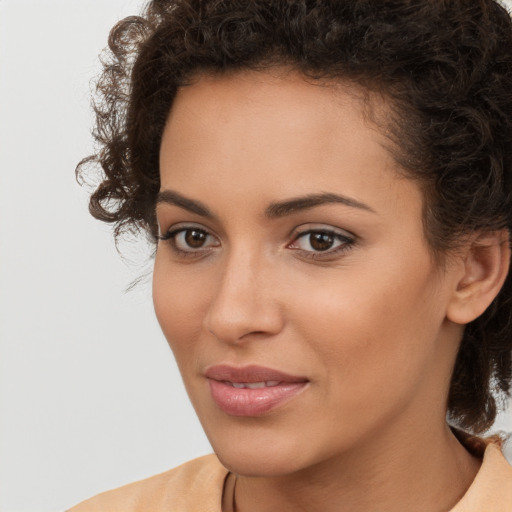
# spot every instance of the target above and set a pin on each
(252, 402)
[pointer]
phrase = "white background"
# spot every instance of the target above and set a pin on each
(90, 397)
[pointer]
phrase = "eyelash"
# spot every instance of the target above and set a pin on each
(347, 242)
(171, 235)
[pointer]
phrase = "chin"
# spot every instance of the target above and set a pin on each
(258, 450)
(259, 463)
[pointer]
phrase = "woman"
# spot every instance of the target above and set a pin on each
(329, 186)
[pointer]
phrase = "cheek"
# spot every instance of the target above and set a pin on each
(180, 304)
(373, 330)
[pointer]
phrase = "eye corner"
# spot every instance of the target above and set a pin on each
(335, 243)
(189, 241)
(163, 236)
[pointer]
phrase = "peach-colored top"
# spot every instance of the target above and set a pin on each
(197, 486)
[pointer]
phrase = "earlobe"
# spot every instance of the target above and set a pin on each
(485, 267)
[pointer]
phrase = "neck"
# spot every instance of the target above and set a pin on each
(424, 471)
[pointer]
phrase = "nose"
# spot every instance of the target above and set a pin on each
(244, 304)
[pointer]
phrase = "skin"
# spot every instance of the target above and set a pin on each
(369, 326)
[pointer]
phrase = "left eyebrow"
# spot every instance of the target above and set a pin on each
(174, 198)
(281, 209)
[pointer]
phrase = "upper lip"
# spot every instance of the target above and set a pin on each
(251, 373)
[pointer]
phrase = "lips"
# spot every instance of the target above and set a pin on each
(251, 390)
(254, 385)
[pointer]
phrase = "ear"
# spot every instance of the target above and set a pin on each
(484, 268)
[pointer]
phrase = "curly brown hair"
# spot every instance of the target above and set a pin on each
(444, 66)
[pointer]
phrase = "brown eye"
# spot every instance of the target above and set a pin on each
(321, 241)
(195, 238)
(190, 240)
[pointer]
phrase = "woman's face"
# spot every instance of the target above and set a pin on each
(295, 285)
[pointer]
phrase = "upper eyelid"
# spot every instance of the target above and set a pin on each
(302, 230)
(296, 233)
(344, 238)
(183, 226)
(170, 238)
(347, 239)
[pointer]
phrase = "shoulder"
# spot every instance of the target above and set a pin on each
(197, 483)
(491, 490)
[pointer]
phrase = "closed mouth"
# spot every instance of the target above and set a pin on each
(249, 375)
(253, 385)
(252, 390)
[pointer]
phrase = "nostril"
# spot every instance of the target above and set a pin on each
(238, 328)
(243, 307)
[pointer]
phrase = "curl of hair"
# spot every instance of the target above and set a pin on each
(445, 67)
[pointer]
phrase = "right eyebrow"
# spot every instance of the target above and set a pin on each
(172, 197)
(298, 204)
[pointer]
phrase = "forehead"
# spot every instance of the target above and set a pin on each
(276, 134)
(254, 90)
(253, 107)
